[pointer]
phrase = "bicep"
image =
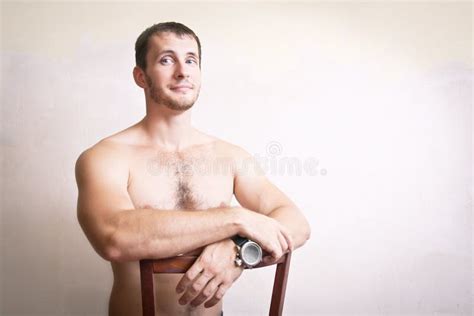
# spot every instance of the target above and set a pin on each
(102, 186)
(252, 188)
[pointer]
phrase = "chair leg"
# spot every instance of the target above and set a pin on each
(279, 286)
(148, 292)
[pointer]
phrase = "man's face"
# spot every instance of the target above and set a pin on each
(173, 75)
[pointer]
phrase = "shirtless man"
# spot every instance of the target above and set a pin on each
(150, 191)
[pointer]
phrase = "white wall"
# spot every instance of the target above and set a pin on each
(379, 95)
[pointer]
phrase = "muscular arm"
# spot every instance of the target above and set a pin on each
(277, 225)
(118, 232)
(146, 233)
(255, 192)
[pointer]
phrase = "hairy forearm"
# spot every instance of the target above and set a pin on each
(290, 217)
(149, 233)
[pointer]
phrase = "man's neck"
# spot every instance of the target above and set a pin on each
(169, 129)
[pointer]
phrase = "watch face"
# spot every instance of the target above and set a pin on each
(251, 253)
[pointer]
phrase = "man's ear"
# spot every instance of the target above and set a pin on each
(139, 77)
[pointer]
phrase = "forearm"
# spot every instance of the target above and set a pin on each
(295, 222)
(148, 233)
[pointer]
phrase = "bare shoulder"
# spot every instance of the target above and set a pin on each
(230, 150)
(242, 163)
(105, 158)
(111, 149)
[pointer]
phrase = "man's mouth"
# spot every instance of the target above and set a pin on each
(180, 88)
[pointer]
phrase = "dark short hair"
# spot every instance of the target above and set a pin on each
(141, 45)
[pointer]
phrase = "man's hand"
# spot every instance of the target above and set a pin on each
(272, 236)
(211, 275)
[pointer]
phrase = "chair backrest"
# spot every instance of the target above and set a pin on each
(181, 264)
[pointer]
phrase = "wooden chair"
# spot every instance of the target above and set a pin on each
(181, 264)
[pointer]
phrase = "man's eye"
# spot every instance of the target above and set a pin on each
(166, 60)
(192, 61)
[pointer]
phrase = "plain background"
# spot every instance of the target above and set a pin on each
(374, 98)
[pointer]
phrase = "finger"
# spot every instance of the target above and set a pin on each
(269, 249)
(188, 277)
(268, 259)
(195, 288)
(288, 237)
(283, 243)
(278, 248)
(208, 292)
(218, 296)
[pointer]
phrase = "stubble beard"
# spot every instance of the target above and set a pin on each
(159, 97)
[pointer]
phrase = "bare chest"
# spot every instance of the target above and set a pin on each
(187, 181)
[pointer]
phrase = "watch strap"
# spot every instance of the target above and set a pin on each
(239, 240)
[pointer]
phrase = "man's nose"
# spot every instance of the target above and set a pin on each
(181, 70)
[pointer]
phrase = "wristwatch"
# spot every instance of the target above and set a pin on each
(249, 253)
